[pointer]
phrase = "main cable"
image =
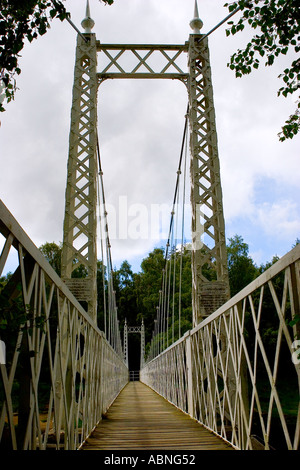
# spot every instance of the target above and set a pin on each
(112, 325)
(160, 339)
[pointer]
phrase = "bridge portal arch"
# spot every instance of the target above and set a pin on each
(134, 329)
(97, 62)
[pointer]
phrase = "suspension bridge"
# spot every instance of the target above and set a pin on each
(65, 383)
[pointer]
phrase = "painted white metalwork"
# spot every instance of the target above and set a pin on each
(47, 400)
(142, 61)
(196, 23)
(125, 342)
(80, 226)
(142, 359)
(88, 23)
(208, 227)
(195, 373)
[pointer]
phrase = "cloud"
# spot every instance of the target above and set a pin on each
(280, 219)
(141, 126)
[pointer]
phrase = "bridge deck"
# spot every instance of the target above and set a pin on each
(141, 419)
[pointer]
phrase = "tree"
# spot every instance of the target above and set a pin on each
(148, 283)
(52, 253)
(177, 287)
(278, 22)
(241, 268)
(124, 286)
(180, 301)
(20, 21)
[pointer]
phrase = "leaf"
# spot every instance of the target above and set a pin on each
(295, 320)
(280, 32)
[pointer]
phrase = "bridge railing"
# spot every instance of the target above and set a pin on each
(238, 372)
(58, 372)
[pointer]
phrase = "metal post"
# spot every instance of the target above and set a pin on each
(142, 345)
(188, 352)
(125, 345)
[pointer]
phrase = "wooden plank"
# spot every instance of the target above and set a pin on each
(140, 419)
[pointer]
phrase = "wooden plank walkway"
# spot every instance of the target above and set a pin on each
(140, 419)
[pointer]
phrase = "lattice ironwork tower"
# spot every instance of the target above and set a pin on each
(79, 235)
(209, 255)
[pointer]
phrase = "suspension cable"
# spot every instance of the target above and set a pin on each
(68, 18)
(164, 330)
(177, 180)
(220, 24)
(111, 324)
(182, 236)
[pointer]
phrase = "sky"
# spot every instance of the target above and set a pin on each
(140, 126)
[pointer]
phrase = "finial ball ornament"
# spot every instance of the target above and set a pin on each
(88, 23)
(196, 24)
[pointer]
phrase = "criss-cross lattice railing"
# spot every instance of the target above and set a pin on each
(58, 372)
(238, 372)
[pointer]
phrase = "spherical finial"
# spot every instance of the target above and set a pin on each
(196, 23)
(88, 23)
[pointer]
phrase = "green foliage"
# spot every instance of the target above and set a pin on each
(52, 253)
(241, 268)
(125, 287)
(278, 26)
(15, 315)
(149, 281)
(12, 310)
(137, 294)
(20, 21)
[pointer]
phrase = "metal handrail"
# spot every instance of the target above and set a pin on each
(60, 374)
(225, 374)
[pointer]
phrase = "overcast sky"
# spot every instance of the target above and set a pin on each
(140, 125)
